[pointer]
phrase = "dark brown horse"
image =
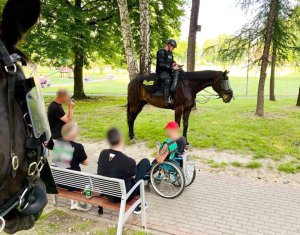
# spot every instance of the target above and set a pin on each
(190, 83)
(17, 18)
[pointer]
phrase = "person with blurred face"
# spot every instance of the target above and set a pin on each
(115, 164)
(56, 114)
(165, 65)
(173, 145)
(68, 154)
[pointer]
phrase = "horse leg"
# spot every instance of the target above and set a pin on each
(178, 114)
(186, 116)
(132, 113)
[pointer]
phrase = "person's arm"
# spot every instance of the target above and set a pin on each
(83, 158)
(162, 153)
(132, 169)
(69, 117)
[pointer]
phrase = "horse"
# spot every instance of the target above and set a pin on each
(22, 191)
(189, 84)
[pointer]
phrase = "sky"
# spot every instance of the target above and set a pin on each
(216, 17)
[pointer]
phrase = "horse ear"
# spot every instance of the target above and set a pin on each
(226, 72)
(17, 18)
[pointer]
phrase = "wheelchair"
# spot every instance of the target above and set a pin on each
(170, 178)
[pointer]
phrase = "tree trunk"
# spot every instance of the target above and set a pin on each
(145, 58)
(272, 77)
(78, 76)
(78, 62)
(128, 39)
(193, 35)
(298, 101)
(265, 59)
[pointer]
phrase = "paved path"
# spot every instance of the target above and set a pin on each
(222, 204)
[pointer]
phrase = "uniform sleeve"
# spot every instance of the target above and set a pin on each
(162, 60)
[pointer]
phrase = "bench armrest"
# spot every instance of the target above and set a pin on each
(133, 188)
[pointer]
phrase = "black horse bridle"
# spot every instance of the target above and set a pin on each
(35, 151)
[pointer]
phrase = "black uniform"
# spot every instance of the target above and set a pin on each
(164, 65)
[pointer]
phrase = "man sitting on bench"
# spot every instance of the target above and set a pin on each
(113, 163)
(68, 154)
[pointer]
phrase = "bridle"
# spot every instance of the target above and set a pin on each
(35, 151)
(225, 86)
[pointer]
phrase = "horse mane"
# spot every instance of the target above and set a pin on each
(17, 18)
(205, 75)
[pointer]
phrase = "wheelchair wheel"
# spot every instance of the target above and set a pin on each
(167, 179)
(190, 178)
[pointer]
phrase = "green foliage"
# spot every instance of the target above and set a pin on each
(94, 28)
(165, 22)
(64, 28)
(249, 40)
(211, 49)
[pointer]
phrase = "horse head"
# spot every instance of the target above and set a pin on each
(17, 18)
(222, 86)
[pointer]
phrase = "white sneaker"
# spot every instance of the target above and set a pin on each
(82, 206)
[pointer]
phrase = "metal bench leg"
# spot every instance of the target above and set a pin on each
(121, 217)
(143, 214)
(100, 210)
(54, 200)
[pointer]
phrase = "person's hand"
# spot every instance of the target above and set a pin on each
(176, 67)
(71, 104)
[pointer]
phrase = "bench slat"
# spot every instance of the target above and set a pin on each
(95, 200)
(98, 184)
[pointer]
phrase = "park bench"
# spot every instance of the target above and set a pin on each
(100, 185)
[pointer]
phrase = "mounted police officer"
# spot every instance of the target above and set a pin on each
(165, 65)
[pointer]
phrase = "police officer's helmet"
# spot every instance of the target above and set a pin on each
(172, 42)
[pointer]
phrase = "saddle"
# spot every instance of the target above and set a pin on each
(153, 84)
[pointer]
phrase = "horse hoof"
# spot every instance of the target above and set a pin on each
(133, 141)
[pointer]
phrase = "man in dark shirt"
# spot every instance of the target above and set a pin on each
(165, 65)
(113, 163)
(56, 114)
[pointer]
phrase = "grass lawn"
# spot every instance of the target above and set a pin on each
(286, 85)
(58, 221)
(216, 125)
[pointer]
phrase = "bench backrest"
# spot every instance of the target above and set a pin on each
(79, 180)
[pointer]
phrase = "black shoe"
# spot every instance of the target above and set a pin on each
(138, 209)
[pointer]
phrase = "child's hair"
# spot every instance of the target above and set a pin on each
(113, 136)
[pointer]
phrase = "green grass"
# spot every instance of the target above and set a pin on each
(286, 85)
(56, 221)
(290, 167)
(236, 164)
(214, 125)
(253, 165)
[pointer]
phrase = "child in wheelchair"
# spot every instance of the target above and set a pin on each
(173, 147)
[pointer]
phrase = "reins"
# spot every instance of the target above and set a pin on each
(207, 98)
